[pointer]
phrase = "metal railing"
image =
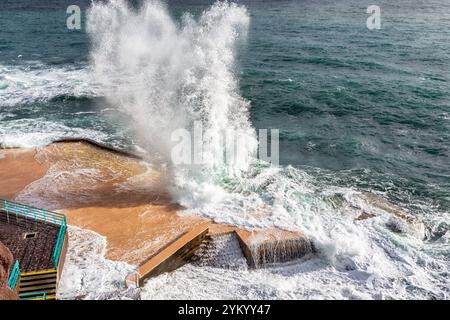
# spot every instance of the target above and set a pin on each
(59, 243)
(14, 276)
(15, 210)
(39, 295)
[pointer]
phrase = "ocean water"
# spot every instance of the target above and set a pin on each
(358, 110)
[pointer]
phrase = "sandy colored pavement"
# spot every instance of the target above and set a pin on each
(120, 197)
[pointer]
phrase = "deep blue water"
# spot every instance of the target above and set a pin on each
(355, 107)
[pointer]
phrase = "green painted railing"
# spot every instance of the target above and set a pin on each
(15, 210)
(39, 295)
(59, 242)
(14, 276)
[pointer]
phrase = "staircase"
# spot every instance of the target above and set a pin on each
(38, 285)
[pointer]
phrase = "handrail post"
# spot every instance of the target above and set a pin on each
(5, 205)
(59, 242)
(16, 210)
(14, 276)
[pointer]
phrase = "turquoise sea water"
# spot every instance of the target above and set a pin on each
(356, 108)
(373, 107)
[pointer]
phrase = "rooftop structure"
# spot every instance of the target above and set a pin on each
(38, 241)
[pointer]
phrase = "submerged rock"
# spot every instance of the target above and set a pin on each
(399, 220)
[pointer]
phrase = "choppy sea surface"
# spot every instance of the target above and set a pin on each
(358, 110)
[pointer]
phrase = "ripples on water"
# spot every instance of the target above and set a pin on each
(356, 109)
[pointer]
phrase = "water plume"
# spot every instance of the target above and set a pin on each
(169, 75)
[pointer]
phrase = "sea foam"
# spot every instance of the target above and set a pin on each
(167, 75)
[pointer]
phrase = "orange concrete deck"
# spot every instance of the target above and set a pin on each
(120, 197)
(18, 168)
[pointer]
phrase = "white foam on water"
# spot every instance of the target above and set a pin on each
(375, 264)
(221, 251)
(55, 189)
(401, 262)
(27, 133)
(312, 279)
(88, 275)
(35, 82)
(168, 75)
(68, 181)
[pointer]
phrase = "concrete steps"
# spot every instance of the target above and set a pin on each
(33, 284)
(231, 249)
(221, 251)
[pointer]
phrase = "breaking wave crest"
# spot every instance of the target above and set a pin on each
(168, 76)
(32, 82)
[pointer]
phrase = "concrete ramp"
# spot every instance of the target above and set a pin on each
(171, 257)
